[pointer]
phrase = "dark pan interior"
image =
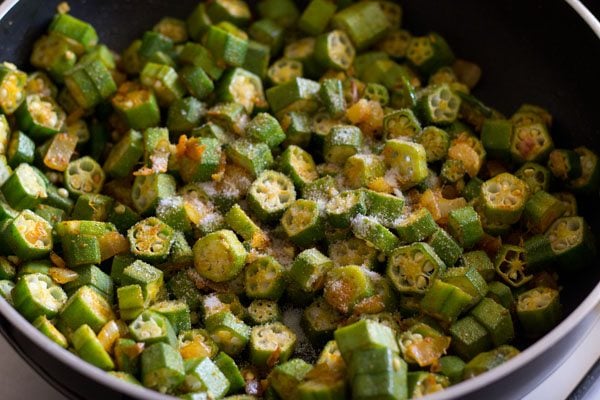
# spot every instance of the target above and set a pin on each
(534, 51)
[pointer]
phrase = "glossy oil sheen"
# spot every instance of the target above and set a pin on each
(534, 51)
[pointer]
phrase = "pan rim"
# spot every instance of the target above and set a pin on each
(464, 388)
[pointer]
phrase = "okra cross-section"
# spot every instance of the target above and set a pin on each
(504, 197)
(511, 265)
(29, 236)
(271, 343)
(413, 268)
(219, 256)
(84, 175)
(36, 294)
(538, 310)
(151, 239)
(572, 242)
(270, 195)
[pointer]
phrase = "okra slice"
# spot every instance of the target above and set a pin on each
(162, 367)
(439, 105)
(446, 247)
(271, 344)
(151, 327)
(364, 334)
(47, 328)
(36, 294)
(92, 206)
(196, 81)
(465, 226)
(148, 277)
(227, 47)
(28, 236)
(401, 123)
(395, 43)
(564, 164)
(268, 33)
(219, 256)
(386, 208)
(24, 188)
(365, 23)
(374, 233)
(495, 319)
(228, 332)
(319, 320)
(88, 347)
(92, 276)
(136, 105)
(84, 175)
(85, 306)
(452, 367)
(415, 226)
(531, 143)
(362, 169)
(284, 70)
(242, 87)
(127, 355)
(504, 197)
(541, 210)
(40, 116)
(54, 54)
(75, 29)
(572, 242)
(264, 279)
(590, 172)
(469, 338)
(242, 224)
(346, 286)
(316, 17)
(376, 92)
(270, 195)
(124, 155)
(352, 251)
(421, 383)
(89, 83)
(488, 360)
(131, 301)
(501, 294)
(375, 361)
(536, 176)
(177, 312)
(344, 207)
(309, 270)
(326, 388)
(196, 343)
(150, 240)
(286, 377)
(263, 312)
(428, 53)
(265, 128)
(148, 190)
(302, 222)
(334, 50)
(407, 161)
(164, 81)
(12, 88)
(569, 201)
(413, 268)
(202, 159)
(343, 141)
(299, 165)
(253, 157)
(202, 375)
(58, 150)
(496, 137)
(231, 371)
(445, 301)
(386, 385)
(511, 265)
(257, 59)
(479, 260)
(298, 94)
(436, 143)
(539, 310)
(332, 96)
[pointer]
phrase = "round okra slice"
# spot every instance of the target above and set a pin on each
(436, 143)
(428, 53)
(284, 70)
(401, 123)
(439, 105)
(234, 11)
(413, 268)
(25, 188)
(334, 50)
(396, 43)
(538, 310)
(468, 149)
(503, 198)
(564, 164)
(511, 265)
(136, 105)
(270, 195)
(37, 294)
(12, 87)
(164, 81)
(589, 180)
(407, 161)
(488, 360)
(28, 236)
(342, 141)
(265, 279)
(302, 222)
(162, 367)
(196, 343)
(572, 242)
(415, 226)
(150, 327)
(151, 240)
(531, 143)
(148, 190)
(346, 286)
(243, 87)
(40, 116)
(362, 169)
(84, 175)
(228, 332)
(309, 270)
(376, 92)
(262, 311)
(536, 176)
(452, 171)
(320, 320)
(299, 165)
(353, 251)
(271, 344)
(343, 208)
(219, 256)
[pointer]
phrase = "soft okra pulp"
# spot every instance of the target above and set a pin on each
(281, 203)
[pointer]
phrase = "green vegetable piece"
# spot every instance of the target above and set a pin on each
(268, 33)
(40, 116)
(421, 383)
(151, 327)
(86, 306)
(590, 172)
(25, 188)
(90, 83)
(162, 367)
(12, 85)
(299, 165)
(91, 275)
(386, 208)
(298, 94)
(185, 114)
(257, 59)
(435, 141)
(386, 385)
(286, 377)
(36, 294)
(150, 240)
(131, 301)
(28, 236)
(362, 335)
(479, 260)
(413, 268)
(541, 210)
(334, 50)
(464, 224)
(88, 347)
(469, 338)
(496, 136)
(270, 195)
(164, 82)
(177, 312)
(343, 141)
(531, 143)
(445, 301)
(253, 157)
(84, 175)
(536, 176)
(501, 294)
(202, 375)
(495, 319)
(365, 23)
(309, 270)
(228, 332)
(452, 367)
(407, 160)
(271, 343)
(264, 279)
(242, 87)
(47, 328)
(184, 289)
(283, 12)
(302, 222)
(539, 310)
(447, 248)
(316, 16)
(416, 226)
(202, 168)
(148, 190)
(346, 286)
(439, 105)
(231, 372)
(401, 123)
(488, 360)
(225, 46)
(511, 265)
(75, 29)
(428, 53)
(148, 277)
(504, 197)
(219, 256)
(265, 128)
(374, 233)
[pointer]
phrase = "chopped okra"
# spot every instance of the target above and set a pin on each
(303, 203)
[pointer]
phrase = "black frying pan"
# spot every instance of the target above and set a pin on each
(536, 51)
